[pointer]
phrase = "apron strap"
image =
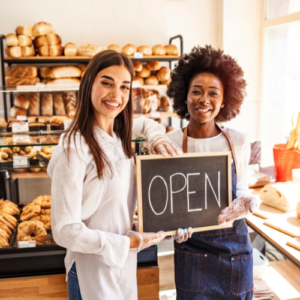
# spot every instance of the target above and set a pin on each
(184, 143)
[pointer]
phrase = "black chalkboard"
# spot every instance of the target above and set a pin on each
(188, 190)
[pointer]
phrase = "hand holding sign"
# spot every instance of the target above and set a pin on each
(146, 240)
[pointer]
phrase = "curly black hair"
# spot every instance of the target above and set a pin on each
(214, 61)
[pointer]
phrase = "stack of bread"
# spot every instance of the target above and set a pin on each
(157, 50)
(152, 101)
(25, 104)
(47, 152)
(21, 75)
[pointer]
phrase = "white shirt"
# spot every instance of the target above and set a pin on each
(220, 143)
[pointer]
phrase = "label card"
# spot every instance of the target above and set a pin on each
(19, 161)
(67, 123)
(20, 127)
(38, 148)
(21, 138)
(21, 118)
(138, 55)
(26, 244)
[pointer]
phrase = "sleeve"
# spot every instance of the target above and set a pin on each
(68, 230)
(147, 127)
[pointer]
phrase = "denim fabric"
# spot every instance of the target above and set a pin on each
(216, 264)
(73, 285)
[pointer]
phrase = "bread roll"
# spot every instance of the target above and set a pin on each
(166, 82)
(158, 50)
(171, 50)
(298, 210)
(70, 49)
(24, 41)
(21, 71)
(43, 51)
(47, 104)
(145, 50)
(24, 30)
(42, 28)
(64, 81)
(69, 101)
(53, 39)
(21, 81)
(64, 71)
(151, 80)
(138, 78)
(56, 50)
(28, 51)
(144, 73)
(129, 49)
(82, 67)
(116, 48)
(59, 107)
(89, 50)
(43, 72)
(15, 51)
(137, 66)
(165, 103)
(40, 41)
(11, 40)
(164, 74)
(16, 111)
(34, 104)
(21, 101)
(153, 65)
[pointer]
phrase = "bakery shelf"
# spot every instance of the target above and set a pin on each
(41, 165)
(29, 175)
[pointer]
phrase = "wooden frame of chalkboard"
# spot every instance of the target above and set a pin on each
(157, 165)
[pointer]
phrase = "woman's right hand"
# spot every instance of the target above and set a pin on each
(144, 240)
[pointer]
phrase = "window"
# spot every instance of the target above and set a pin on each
(278, 8)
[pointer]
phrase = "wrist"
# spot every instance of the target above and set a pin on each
(134, 241)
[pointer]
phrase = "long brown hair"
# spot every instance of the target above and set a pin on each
(84, 119)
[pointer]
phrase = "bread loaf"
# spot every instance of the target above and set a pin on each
(145, 50)
(139, 79)
(34, 105)
(137, 66)
(166, 82)
(82, 67)
(63, 72)
(24, 30)
(144, 73)
(69, 101)
(58, 121)
(16, 111)
(21, 101)
(28, 51)
(71, 113)
(129, 49)
(89, 50)
(43, 72)
(59, 107)
(115, 48)
(171, 50)
(158, 50)
(164, 74)
(11, 40)
(47, 104)
(151, 80)
(21, 71)
(24, 41)
(21, 81)
(15, 51)
(153, 65)
(43, 51)
(70, 49)
(53, 39)
(42, 28)
(56, 50)
(64, 81)
(40, 41)
(165, 103)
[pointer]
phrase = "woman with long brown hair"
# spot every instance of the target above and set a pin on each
(94, 184)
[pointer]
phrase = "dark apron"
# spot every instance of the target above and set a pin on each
(216, 264)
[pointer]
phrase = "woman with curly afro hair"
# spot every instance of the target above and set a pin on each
(208, 88)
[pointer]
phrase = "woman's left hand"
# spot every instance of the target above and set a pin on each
(163, 145)
(238, 209)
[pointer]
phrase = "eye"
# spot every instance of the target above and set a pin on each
(106, 83)
(125, 87)
(214, 93)
(196, 92)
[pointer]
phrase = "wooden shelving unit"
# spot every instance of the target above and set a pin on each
(29, 175)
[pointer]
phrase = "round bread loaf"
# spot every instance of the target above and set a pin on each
(166, 82)
(151, 80)
(11, 40)
(137, 66)
(171, 50)
(158, 50)
(163, 74)
(129, 49)
(145, 50)
(70, 49)
(153, 65)
(144, 73)
(165, 103)
(42, 28)
(138, 78)
(114, 47)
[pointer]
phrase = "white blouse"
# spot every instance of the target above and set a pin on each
(220, 143)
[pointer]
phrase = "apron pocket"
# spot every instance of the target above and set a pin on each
(241, 274)
(190, 270)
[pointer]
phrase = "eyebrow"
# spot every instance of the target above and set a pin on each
(213, 87)
(110, 78)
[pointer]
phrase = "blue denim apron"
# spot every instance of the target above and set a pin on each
(216, 264)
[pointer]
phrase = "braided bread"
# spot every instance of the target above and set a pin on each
(32, 231)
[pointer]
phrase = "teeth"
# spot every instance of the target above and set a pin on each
(203, 110)
(112, 104)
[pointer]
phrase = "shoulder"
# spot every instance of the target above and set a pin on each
(175, 136)
(239, 139)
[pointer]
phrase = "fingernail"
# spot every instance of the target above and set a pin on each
(185, 230)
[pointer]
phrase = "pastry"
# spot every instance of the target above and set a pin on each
(115, 48)
(15, 51)
(24, 41)
(70, 49)
(8, 220)
(47, 105)
(63, 72)
(21, 71)
(21, 101)
(129, 49)
(11, 40)
(153, 65)
(24, 30)
(42, 28)
(3, 123)
(151, 80)
(46, 203)
(171, 50)
(137, 66)
(34, 105)
(59, 107)
(8, 207)
(144, 73)
(145, 50)
(163, 74)
(56, 50)
(32, 231)
(40, 41)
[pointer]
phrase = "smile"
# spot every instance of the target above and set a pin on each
(112, 104)
(203, 110)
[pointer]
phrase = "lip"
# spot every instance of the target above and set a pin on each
(111, 104)
(203, 110)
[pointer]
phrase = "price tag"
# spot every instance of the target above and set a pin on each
(38, 148)
(26, 244)
(21, 118)
(155, 114)
(20, 161)
(67, 123)
(20, 127)
(138, 55)
(21, 138)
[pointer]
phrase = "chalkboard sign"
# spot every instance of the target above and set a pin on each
(189, 190)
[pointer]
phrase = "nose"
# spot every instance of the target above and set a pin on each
(204, 98)
(115, 93)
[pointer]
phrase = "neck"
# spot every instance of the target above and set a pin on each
(201, 131)
(107, 125)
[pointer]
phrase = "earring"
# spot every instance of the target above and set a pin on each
(222, 106)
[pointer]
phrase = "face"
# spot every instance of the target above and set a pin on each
(205, 97)
(111, 91)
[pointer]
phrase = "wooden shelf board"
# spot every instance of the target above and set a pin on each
(29, 175)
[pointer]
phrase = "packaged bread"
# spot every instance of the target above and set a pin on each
(21, 81)
(64, 81)
(56, 50)
(82, 67)
(34, 105)
(145, 50)
(158, 50)
(69, 101)
(139, 79)
(63, 72)
(59, 106)
(16, 111)
(43, 72)
(153, 65)
(28, 51)
(53, 39)
(24, 41)
(89, 50)
(151, 80)
(15, 51)
(40, 41)
(137, 66)
(144, 73)
(43, 50)
(114, 47)
(24, 30)
(21, 101)
(70, 49)
(11, 40)
(171, 50)
(21, 71)
(129, 49)
(281, 195)
(163, 74)
(165, 103)
(47, 104)
(42, 28)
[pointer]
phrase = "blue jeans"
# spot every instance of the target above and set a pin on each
(73, 285)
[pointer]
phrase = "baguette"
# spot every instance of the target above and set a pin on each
(24, 30)
(15, 51)
(70, 49)
(69, 101)
(63, 72)
(59, 107)
(16, 111)
(40, 41)
(53, 39)
(34, 105)
(21, 71)
(56, 50)
(21, 101)
(21, 81)
(28, 51)
(11, 40)
(42, 28)
(47, 105)
(24, 41)
(64, 81)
